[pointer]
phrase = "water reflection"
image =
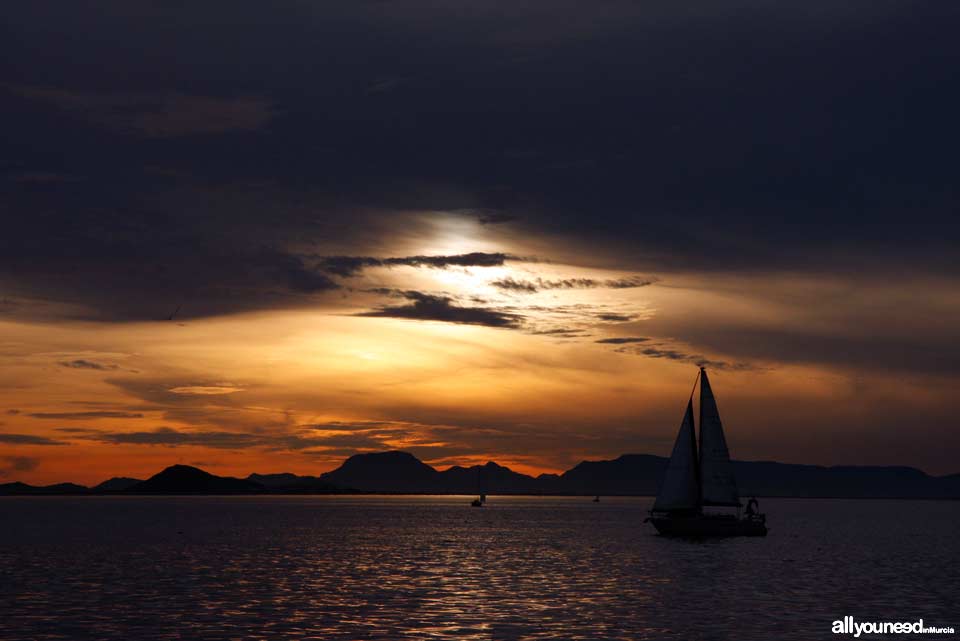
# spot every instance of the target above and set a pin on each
(430, 567)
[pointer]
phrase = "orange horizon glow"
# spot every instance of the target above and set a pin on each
(299, 390)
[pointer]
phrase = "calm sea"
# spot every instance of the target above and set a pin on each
(434, 568)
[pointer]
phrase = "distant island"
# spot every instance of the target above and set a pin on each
(629, 475)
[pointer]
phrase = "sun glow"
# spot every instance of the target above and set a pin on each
(473, 281)
(452, 234)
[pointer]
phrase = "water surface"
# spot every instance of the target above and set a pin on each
(407, 567)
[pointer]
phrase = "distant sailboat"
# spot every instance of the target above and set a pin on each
(695, 479)
(481, 487)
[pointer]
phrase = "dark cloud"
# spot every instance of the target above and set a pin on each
(85, 364)
(156, 115)
(623, 340)
(430, 307)
(334, 438)
(344, 439)
(473, 259)
(340, 426)
(687, 154)
(171, 437)
(12, 464)
(291, 270)
(627, 283)
(385, 291)
(39, 177)
(495, 218)
(384, 85)
(301, 439)
(515, 285)
(346, 266)
(193, 402)
(77, 430)
(532, 287)
(85, 415)
(352, 265)
(133, 273)
(561, 332)
(677, 355)
(616, 318)
(927, 353)
(27, 439)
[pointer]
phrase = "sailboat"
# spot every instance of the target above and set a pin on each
(481, 488)
(702, 477)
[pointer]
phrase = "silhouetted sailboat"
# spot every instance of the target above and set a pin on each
(481, 487)
(695, 479)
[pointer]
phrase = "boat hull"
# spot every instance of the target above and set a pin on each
(702, 525)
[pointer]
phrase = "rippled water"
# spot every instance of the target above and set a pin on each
(432, 567)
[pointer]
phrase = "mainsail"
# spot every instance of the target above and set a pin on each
(680, 489)
(716, 473)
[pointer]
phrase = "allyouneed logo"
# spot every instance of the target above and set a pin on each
(849, 626)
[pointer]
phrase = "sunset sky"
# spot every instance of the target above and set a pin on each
(261, 237)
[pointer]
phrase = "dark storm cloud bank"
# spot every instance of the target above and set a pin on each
(711, 137)
(433, 307)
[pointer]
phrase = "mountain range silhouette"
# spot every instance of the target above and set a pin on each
(631, 474)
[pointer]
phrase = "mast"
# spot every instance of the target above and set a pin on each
(695, 454)
(701, 374)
